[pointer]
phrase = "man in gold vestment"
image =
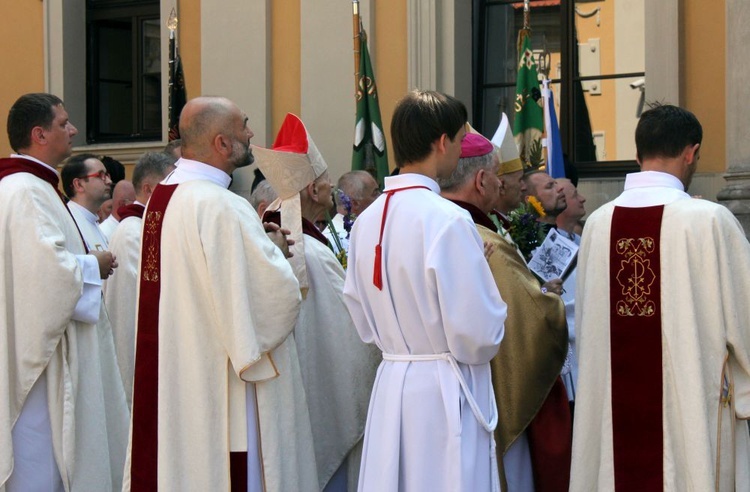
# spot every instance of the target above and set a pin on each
(529, 361)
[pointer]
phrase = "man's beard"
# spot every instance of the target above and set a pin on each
(556, 211)
(242, 156)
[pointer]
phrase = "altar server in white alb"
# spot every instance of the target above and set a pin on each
(218, 402)
(419, 287)
(663, 329)
(121, 289)
(338, 369)
(63, 416)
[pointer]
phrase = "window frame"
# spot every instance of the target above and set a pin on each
(137, 11)
(570, 76)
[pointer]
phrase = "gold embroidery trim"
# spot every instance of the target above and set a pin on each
(636, 277)
(150, 270)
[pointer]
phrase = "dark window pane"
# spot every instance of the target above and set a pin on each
(115, 50)
(124, 71)
(500, 47)
(496, 101)
(151, 69)
(115, 109)
(114, 77)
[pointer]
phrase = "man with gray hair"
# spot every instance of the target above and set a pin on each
(359, 189)
(263, 195)
(329, 350)
(528, 363)
(120, 290)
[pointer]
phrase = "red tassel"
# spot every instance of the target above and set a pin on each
(377, 276)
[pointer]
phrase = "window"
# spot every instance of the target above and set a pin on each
(123, 62)
(594, 54)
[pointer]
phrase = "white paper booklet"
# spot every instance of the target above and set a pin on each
(554, 258)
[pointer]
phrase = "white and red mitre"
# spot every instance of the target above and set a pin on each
(291, 164)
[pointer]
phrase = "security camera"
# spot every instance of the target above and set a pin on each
(638, 84)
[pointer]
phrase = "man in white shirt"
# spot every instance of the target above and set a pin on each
(63, 421)
(87, 184)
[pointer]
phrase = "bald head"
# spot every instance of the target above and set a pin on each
(214, 131)
(360, 187)
(123, 194)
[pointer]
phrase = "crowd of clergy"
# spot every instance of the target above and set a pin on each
(166, 333)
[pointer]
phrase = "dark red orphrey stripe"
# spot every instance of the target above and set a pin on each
(635, 348)
(144, 449)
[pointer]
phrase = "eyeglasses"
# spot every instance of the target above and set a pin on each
(103, 175)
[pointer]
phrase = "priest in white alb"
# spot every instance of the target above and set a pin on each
(663, 329)
(63, 417)
(218, 402)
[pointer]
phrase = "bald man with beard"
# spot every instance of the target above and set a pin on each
(217, 397)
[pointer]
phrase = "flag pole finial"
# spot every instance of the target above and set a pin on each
(526, 14)
(172, 21)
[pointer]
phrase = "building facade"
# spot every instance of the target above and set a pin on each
(108, 60)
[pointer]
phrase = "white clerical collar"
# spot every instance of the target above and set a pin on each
(653, 178)
(84, 212)
(410, 179)
(190, 170)
(139, 203)
(23, 156)
(650, 188)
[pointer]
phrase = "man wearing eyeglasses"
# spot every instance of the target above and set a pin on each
(87, 183)
(63, 418)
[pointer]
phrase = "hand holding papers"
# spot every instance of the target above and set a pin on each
(554, 258)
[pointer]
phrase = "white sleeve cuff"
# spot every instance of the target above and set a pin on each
(89, 304)
(261, 370)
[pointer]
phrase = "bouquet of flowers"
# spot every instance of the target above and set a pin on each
(349, 218)
(525, 230)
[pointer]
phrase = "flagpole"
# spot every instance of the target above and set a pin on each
(528, 123)
(172, 26)
(356, 25)
(526, 30)
(526, 14)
